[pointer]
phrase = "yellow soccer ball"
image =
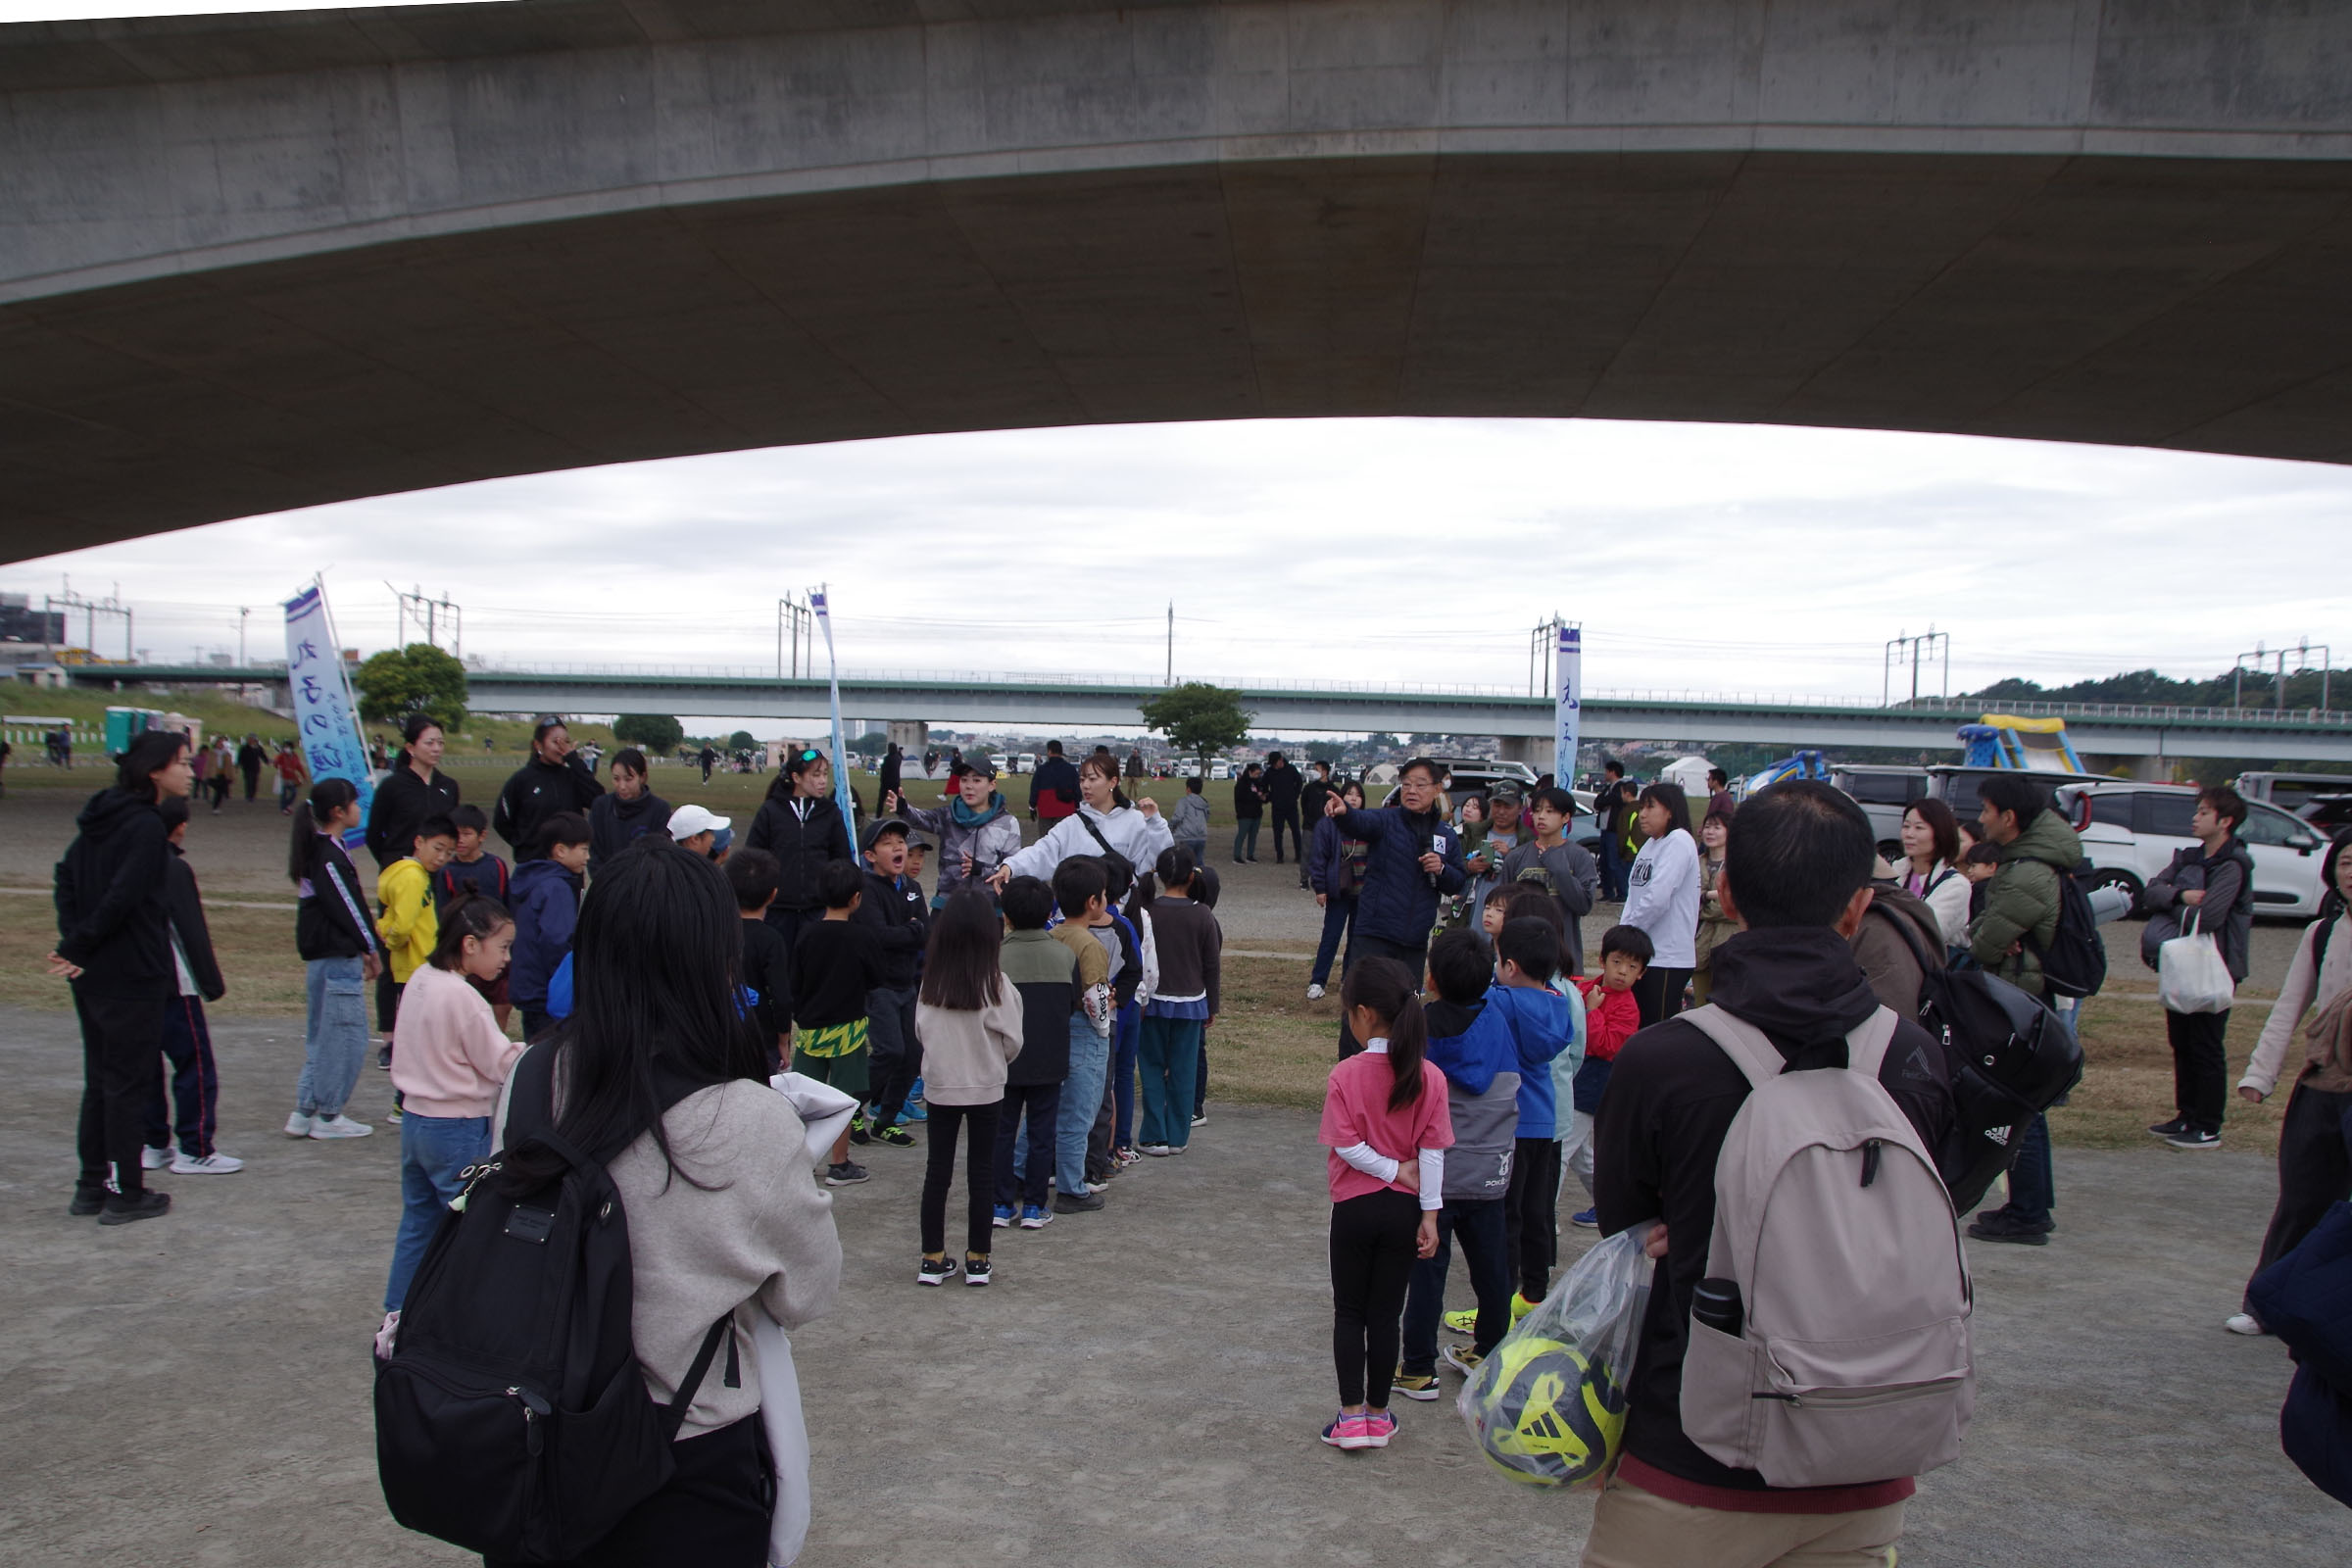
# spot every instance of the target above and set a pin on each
(1549, 1416)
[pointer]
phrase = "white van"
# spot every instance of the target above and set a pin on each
(2130, 832)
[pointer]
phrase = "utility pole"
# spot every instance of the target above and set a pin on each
(792, 613)
(243, 610)
(1171, 676)
(427, 613)
(1914, 651)
(1542, 644)
(91, 609)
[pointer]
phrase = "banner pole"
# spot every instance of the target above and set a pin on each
(1568, 715)
(841, 760)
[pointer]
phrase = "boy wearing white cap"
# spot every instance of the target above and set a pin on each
(701, 830)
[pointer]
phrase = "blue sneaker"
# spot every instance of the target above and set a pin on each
(1588, 1218)
(1003, 1215)
(1034, 1219)
(914, 1108)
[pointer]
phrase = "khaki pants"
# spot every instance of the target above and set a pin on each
(1636, 1528)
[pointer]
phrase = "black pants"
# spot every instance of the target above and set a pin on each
(1479, 1226)
(1414, 957)
(898, 1056)
(1658, 993)
(713, 1513)
(2200, 1066)
(195, 1082)
(388, 1003)
(1372, 1246)
(979, 1124)
(1531, 1215)
(1288, 817)
(1041, 1102)
(121, 1036)
(2314, 1169)
(253, 782)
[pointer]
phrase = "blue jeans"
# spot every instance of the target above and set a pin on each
(1082, 1101)
(1245, 832)
(1486, 1251)
(1338, 909)
(1169, 1058)
(1125, 1036)
(432, 1150)
(334, 1044)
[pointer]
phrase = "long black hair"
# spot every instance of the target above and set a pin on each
(960, 963)
(801, 761)
(1382, 985)
(149, 753)
(656, 977)
(2331, 896)
(328, 797)
(1671, 797)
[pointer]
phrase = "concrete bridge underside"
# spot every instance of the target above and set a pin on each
(253, 264)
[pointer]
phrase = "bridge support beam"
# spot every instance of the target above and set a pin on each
(908, 735)
(1533, 750)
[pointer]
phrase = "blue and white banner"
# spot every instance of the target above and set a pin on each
(841, 771)
(326, 715)
(1568, 716)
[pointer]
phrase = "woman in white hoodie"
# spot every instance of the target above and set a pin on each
(1662, 900)
(1101, 824)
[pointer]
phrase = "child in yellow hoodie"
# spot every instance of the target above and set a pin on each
(404, 916)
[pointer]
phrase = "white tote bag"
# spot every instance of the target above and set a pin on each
(2190, 976)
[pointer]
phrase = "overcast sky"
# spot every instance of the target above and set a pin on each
(1696, 556)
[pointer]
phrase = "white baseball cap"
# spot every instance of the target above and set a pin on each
(687, 820)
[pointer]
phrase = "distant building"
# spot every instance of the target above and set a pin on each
(19, 622)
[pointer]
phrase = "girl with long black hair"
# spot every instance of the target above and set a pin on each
(338, 945)
(1662, 900)
(1386, 1124)
(725, 1217)
(800, 826)
(968, 1016)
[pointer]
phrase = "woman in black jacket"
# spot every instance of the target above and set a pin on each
(413, 791)
(1249, 810)
(554, 780)
(115, 946)
(801, 826)
(337, 942)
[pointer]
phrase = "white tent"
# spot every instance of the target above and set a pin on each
(1691, 772)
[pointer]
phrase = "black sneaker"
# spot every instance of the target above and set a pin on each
(2195, 1138)
(857, 1133)
(1077, 1202)
(147, 1206)
(895, 1137)
(849, 1173)
(87, 1200)
(2000, 1230)
(975, 1272)
(934, 1271)
(2170, 1129)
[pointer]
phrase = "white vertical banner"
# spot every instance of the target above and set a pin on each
(841, 761)
(326, 714)
(1568, 715)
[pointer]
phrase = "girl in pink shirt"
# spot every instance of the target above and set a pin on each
(453, 1062)
(1386, 1124)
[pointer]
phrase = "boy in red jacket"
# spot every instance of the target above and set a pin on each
(1610, 1018)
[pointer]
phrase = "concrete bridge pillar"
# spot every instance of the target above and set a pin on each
(1533, 750)
(908, 735)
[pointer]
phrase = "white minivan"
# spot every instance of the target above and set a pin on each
(2131, 831)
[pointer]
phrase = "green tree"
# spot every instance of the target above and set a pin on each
(1198, 719)
(417, 679)
(741, 741)
(873, 741)
(654, 732)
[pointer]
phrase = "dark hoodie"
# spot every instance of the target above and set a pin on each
(535, 792)
(402, 803)
(186, 902)
(613, 824)
(1670, 1103)
(545, 899)
(112, 892)
(802, 836)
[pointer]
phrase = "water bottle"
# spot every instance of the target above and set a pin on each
(1717, 1304)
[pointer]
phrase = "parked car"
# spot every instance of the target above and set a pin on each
(2130, 832)
(1219, 767)
(2290, 792)
(1955, 784)
(2330, 813)
(1883, 793)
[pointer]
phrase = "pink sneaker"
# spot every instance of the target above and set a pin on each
(1348, 1431)
(1379, 1427)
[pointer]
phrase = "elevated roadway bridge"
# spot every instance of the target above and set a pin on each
(2147, 737)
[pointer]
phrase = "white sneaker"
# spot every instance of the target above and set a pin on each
(155, 1159)
(1314, 993)
(339, 1126)
(2244, 1323)
(211, 1164)
(299, 1124)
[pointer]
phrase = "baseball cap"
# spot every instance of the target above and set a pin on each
(1506, 792)
(974, 764)
(687, 820)
(879, 827)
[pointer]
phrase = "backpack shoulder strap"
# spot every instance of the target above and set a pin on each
(1087, 822)
(674, 1414)
(1866, 1046)
(1751, 1050)
(531, 1107)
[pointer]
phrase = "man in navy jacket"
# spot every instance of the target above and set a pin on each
(1415, 855)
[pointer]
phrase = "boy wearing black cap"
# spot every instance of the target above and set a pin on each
(894, 914)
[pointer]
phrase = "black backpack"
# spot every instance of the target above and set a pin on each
(2075, 963)
(512, 1418)
(2011, 1059)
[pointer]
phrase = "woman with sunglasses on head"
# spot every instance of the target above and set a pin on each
(800, 824)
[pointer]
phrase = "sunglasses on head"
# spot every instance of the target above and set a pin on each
(810, 755)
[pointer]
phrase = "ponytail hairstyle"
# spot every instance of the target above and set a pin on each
(1382, 985)
(328, 797)
(412, 731)
(469, 914)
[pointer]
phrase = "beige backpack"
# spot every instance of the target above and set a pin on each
(1845, 1355)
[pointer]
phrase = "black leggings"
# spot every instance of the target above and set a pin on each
(1373, 1239)
(979, 1124)
(2314, 1167)
(1658, 993)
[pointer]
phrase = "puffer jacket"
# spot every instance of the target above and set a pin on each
(1399, 900)
(2021, 902)
(803, 842)
(991, 835)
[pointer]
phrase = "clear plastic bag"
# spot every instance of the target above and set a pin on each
(1548, 1405)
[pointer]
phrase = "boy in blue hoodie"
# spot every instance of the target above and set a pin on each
(1527, 951)
(544, 897)
(1471, 1043)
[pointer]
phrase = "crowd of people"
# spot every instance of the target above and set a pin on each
(1043, 1010)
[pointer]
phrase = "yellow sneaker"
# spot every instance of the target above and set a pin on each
(1464, 1321)
(1520, 1307)
(1423, 1386)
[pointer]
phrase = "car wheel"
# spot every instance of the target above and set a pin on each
(1891, 851)
(2114, 878)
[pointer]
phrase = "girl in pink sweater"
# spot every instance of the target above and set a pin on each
(453, 1062)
